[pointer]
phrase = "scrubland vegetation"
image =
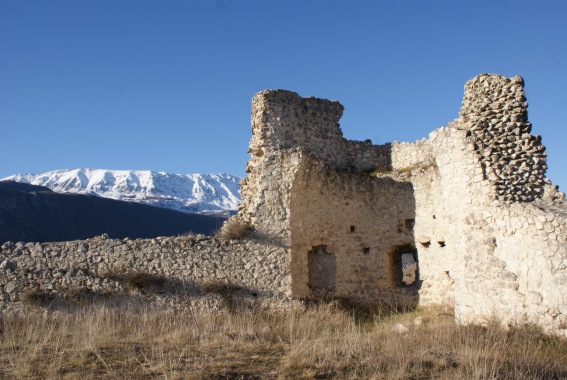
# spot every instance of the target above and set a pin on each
(324, 341)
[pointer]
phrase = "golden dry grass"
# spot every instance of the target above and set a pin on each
(322, 342)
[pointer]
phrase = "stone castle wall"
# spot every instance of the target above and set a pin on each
(355, 221)
(474, 189)
(494, 110)
(188, 262)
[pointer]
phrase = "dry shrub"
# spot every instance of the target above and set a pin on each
(37, 297)
(79, 295)
(227, 291)
(136, 280)
(188, 235)
(143, 280)
(233, 228)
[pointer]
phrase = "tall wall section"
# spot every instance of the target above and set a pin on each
(284, 127)
(488, 222)
(353, 219)
(494, 111)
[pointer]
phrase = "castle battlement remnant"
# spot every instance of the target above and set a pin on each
(495, 112)
(465, 217)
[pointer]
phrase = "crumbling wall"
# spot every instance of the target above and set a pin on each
(494, 111)
(354, 218)
(186, 261)
(476, 187)
(283, 126)
(491, 253)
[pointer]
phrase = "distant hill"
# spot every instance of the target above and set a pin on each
(190, 193)
(36, 213)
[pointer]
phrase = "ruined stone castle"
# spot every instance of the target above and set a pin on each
(470, 206)
(465, 218)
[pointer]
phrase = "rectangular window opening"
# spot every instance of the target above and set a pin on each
(322, 268)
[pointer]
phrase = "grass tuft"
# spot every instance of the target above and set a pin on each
(233, 228)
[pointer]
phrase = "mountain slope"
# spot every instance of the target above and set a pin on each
(35, 213)
(190, 193)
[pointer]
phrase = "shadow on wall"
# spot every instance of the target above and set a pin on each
(353, 238)
(367, 159)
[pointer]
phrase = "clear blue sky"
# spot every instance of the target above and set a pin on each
(166, 85)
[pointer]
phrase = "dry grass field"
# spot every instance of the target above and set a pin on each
(320, 342)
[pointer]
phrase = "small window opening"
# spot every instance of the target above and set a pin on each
(409, 268)
(352, 228)
(366, 251)
(322, 268)
(410, 223)
(441, 243)
(403, 266)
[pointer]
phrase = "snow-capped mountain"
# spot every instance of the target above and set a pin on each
(189, 193)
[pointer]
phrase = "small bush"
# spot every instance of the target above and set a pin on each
(143, 280)
(233, 229)
(82, 296)
(37, 297)
(226, 291)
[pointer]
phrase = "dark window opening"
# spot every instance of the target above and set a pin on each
(410, 223)
(352, 228)
(322, 268)
(403, 266)
(366, 251)
(409, 268)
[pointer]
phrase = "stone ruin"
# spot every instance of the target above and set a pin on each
(465, 218)
(467, 214)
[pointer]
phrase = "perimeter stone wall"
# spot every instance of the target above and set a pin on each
(187, 263)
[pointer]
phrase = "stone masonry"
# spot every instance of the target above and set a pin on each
(471, 204)
(468, 210)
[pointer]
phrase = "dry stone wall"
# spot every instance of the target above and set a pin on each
(186, 262)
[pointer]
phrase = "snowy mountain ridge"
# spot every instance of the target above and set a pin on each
(189, 193)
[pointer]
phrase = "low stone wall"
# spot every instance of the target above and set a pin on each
(258, 267)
